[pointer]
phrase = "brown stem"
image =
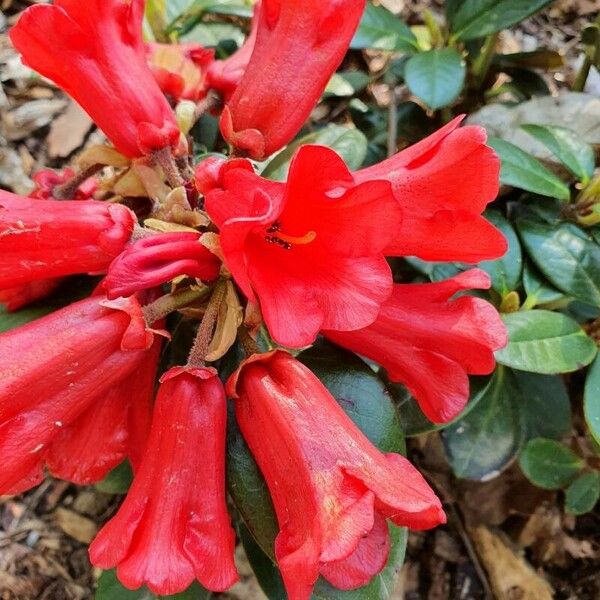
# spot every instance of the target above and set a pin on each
(171, 302)
(212, 100)
(67, 191)
(164, 159)
(248, 343)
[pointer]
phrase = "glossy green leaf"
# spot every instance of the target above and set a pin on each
(505, 272)
(591, 399)
(566, 256)
(537, 289)
(578, 156)
(472, 19)
(485, 441)
(346, 84)
(349, 142)
(210, 35)
(118, 480)
(437, 77)
(521, 170)
(382, 30)
(12, 320)
(549, 464)
(582, 495)
(545, 405)
(541, 341)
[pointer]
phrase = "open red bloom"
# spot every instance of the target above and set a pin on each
(50, 238)
(310, 250)
(331, 488)
(155, 260)
(429, 341)
(173, 527)
(443, 184)
(94, 51)
(54, 369)
(299, 45)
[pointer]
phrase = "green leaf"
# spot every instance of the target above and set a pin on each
(381, 30)
(472, 19)
(538, 290)
(505, 272)
(545, 405)
(349, 142)
(211, 35)
(541, 341)
(521, 170)
(566, 256)
(12, 320)
(577, 155)
(436, 77)
(543, 58)
(486, 440)
(591, 400)
(118, 480)
(548, 464)
(346, 84)
(582, 495)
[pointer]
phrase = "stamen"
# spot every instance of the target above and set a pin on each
(305, 239)
(287, 241)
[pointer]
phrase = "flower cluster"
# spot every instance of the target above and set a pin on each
(308, 257)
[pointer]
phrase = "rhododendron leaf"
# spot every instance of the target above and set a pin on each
(549, 464)
(436, 77)
(538, 289)
(521, 170)
(484, 442)
(566, 256)
(541, 341)
(118, 480)
(382, 30)
(583, 494)
(10, 320)
(591, 400)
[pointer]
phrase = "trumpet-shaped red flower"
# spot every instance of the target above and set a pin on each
(54, 369)
(429, 341)
(94, 51)
(49, 238)
(299, 45)
(173, 527)
(155, 260)
(303, 440)
(311, 250)
(17, 297)
(443, 184)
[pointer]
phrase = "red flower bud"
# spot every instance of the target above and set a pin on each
(49, 238)
(429, 341)
(94, 51)
(303, 441)
(155, 260)
(54, 369)
(299, 45)
(173, 526)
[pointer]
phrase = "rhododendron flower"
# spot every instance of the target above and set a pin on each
(49, 238)
(443, 184)
(54, 369)
(47, 179)
(94, 51)
(173, 526)
(331, 488)
(17, 297)
(157, 259)
(299, 45)
(311, 250)
(430, 342)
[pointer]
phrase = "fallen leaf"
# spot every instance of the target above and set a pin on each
(80, 528)
(27, 118)
(67, 132)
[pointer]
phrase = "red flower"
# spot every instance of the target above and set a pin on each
(94, 51)
(173, 527)
(310, 250)
(443, 184)
(47, 179)
(299, 45)
(429, 341)
(49, 238)
(17, 297)
(155, 260)
(180, 69)
(54, 369)
(304, 442)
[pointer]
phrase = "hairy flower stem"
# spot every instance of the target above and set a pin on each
(171, 302)
(207, 325)
(213, 100)
(164, 159)
(67, 190)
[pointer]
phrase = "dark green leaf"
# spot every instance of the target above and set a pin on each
(485, 441)
(578, 156)
(591, 399)
(566, 256)
(538, 290)
(549, 464)
(521, 170)
(506, 271)
(477, 18)
(583, 494)
(382, 30)
(118, 480)
(436, 77)
(541, 341)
